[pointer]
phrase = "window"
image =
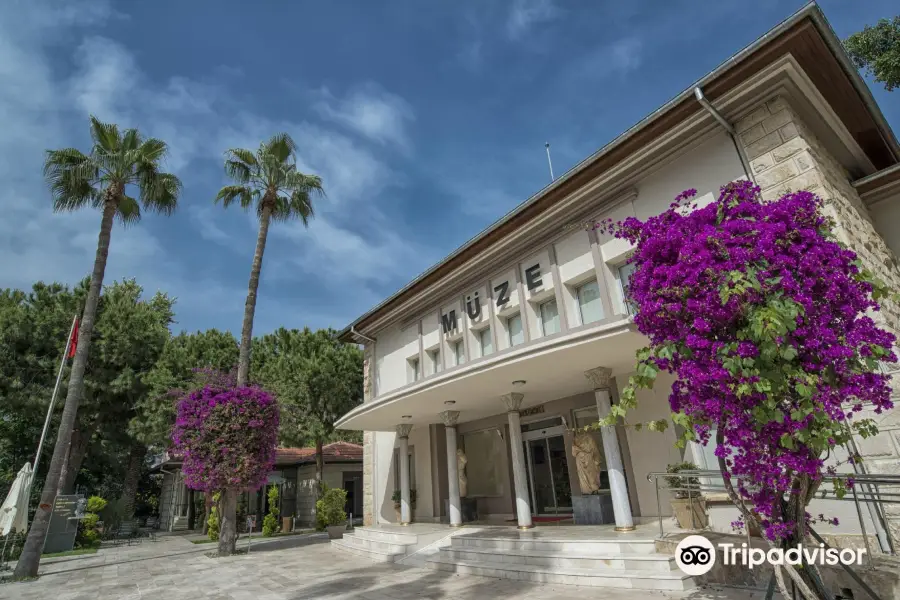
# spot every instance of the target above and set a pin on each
(414, 371)
(435, 357)
(484, 337)
(514, 328)
(549, 317)
(625, 272)
(589, 304)
(459, 353)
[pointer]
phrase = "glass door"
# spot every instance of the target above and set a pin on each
(548, 475)
(559, 468)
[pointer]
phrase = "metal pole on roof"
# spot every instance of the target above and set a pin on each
(549, 162)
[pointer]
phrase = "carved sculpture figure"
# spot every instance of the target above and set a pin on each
(461, 461)
(588, 460)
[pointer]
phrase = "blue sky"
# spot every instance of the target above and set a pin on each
(426, 120)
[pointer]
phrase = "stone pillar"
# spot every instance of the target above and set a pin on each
(449, 417)
(523, 506)
(368, 486)
(405, 512)
(600, 379)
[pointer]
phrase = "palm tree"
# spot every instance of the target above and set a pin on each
(101, 179)
(270, 181)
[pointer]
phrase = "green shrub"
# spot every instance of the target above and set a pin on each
(396, 498)
(213, 521)
(270, 521)
(88, 536)
(95, 504)
(330, 508)
(683, 482)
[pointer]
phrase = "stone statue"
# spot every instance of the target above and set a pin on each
(461, 461)
(588, 460)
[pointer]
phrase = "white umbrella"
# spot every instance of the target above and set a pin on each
(14, 512)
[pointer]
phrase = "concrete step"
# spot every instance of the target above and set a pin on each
(370, 553)
(613, 578)
(383, 535)
(363, 543)
(657, 563)
(592, 547)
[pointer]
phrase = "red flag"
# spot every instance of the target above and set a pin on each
(73, 342)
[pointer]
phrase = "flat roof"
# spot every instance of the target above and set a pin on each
(806, 35)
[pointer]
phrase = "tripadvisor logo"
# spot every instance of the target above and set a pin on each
(696, 555)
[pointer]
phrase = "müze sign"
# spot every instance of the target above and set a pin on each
(533, 281)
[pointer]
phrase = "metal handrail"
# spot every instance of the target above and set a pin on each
(866, 490)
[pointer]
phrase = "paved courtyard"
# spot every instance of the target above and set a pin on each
(290, 568)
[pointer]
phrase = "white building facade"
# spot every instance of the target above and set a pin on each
(524, 333)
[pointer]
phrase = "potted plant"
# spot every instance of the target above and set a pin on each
(330, 511)
(688, 504)
(412, 503)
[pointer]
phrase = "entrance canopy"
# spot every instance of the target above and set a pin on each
(551, 369)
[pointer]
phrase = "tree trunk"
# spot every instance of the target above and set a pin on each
(191, 510)
(320, 468)
(243, 372)
(30, 559)
(132, 478)
(227, 510)
(78, 449)
(207, 510)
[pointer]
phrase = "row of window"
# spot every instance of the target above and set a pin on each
(590, 308)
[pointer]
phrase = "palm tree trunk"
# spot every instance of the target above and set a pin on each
(132, 478)
(227, 521)
(78, 449)
(30, 559)
(243, 372)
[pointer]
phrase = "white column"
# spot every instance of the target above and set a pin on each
(449, 417)
(523, 508)
(403, 434)
(600, 378)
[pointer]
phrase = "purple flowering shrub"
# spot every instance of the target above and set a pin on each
(226, 437)
(760, 314)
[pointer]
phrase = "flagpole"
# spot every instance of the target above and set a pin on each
(62, 364)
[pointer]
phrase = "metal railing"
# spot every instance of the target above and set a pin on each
(870, 490)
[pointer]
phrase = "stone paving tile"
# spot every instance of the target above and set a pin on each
(305, 567)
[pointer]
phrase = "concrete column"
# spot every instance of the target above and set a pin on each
(449, 417)
(405, 512)
(600, 378)
(523, 506)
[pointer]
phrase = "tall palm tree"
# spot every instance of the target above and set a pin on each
(118, 161)
(269, 181)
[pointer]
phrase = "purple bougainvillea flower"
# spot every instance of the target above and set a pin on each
(761, 316)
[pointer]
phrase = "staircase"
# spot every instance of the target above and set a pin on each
(390, 543)
(542, 556)
(180, 523)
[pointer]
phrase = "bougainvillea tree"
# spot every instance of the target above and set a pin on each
(763, 319)
(226, 438)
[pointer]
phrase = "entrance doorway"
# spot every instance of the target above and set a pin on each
(549, 488)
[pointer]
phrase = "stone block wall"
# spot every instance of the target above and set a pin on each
(785, 156)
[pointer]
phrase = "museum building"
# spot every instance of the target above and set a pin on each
(478, 372)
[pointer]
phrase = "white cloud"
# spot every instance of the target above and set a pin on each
(199, 119)
(371, 112)
(526, 14)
